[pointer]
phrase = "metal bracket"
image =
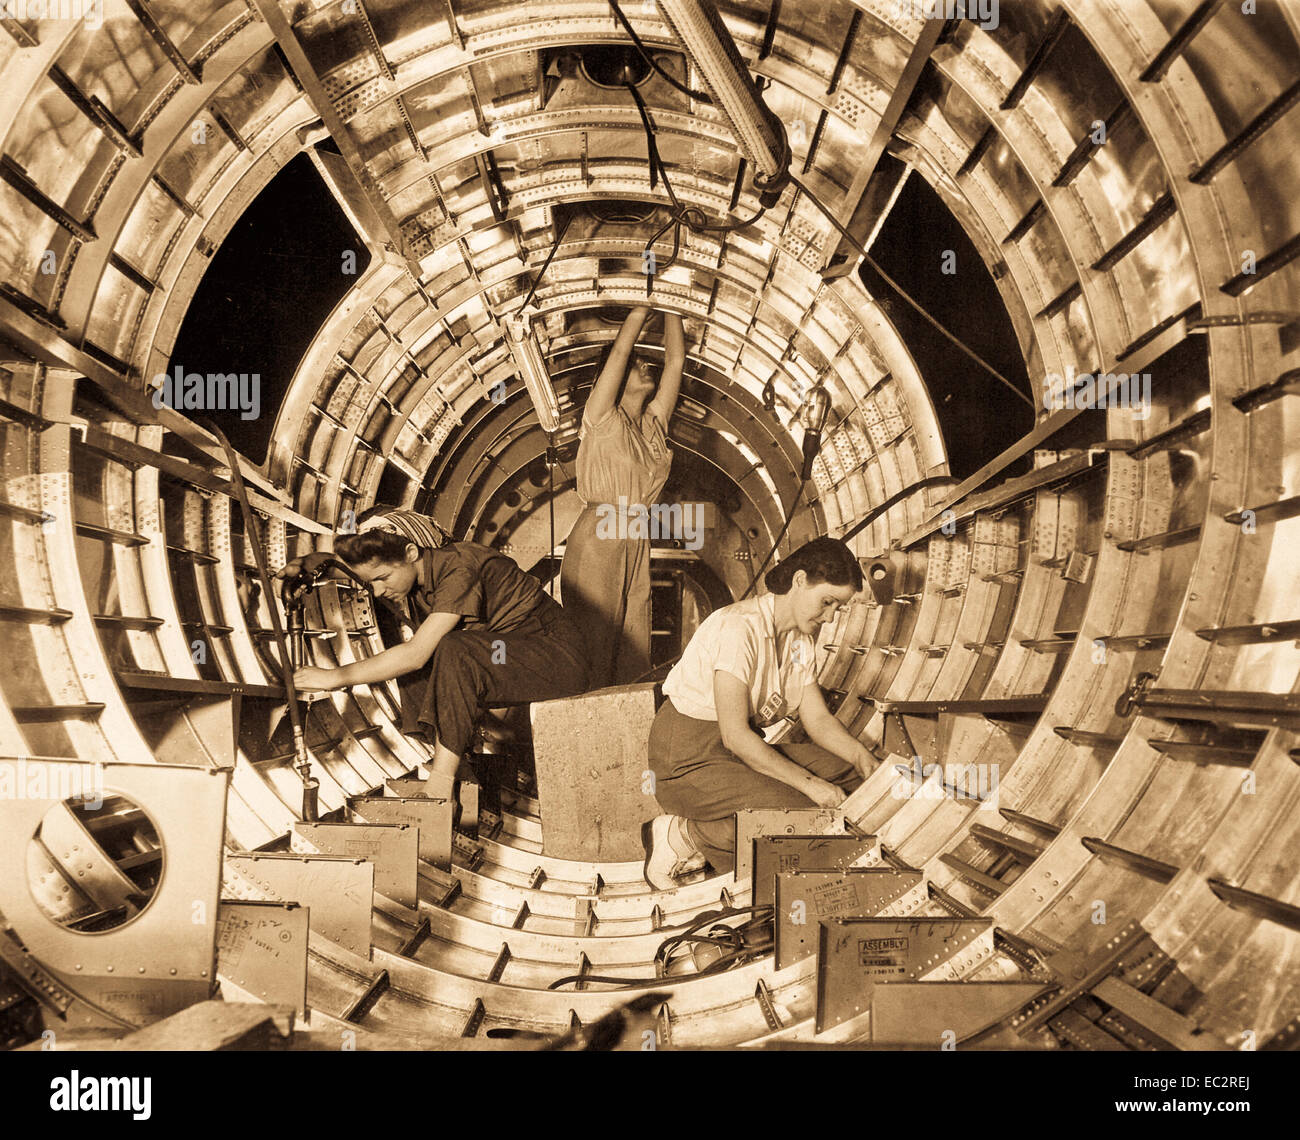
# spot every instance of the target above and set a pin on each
(780, 821)
(921, 1014)
(160, 960)
(854, 954)
(777, 854)
(338, 891)
(392, 848)
(432, 817)
(804, 897)
(262, 949)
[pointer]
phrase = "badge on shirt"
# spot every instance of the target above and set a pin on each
(772, 708)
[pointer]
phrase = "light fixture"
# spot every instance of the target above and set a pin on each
(531, 364)
(758, 131)
(815, 408)
(812, 417)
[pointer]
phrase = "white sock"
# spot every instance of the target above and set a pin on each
(680, 839)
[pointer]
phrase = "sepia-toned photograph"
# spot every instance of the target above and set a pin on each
(660, 526)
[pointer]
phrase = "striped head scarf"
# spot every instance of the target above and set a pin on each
(420, 529)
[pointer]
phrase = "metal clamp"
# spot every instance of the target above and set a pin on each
(1134, 695)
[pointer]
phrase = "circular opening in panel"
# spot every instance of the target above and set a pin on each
(614, 65)
(95, 862)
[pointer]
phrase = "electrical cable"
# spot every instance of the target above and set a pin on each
(652, 143)
(692, 217)
(897, 288)
(547, 263)
(702, 96)
(552, 458)
(749, 940)
(789, 518)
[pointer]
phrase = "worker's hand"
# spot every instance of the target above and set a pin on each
(823, 793)
(866, 761)
(308, 563)
(310, 679)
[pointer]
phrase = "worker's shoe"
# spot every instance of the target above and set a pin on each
(670, 854)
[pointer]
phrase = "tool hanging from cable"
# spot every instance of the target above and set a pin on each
(302, 759)
(692, 217)
(293, 592)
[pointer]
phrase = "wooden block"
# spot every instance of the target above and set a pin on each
(216, 1025)
(591, 759)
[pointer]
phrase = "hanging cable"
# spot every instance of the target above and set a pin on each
(789, 518)
(651, 141)
(310, 785)
(897, 288)
(701, 96)
(559, 237)
(739, 944)
(552, 458)
(692, 217)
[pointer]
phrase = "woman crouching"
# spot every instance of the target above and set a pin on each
(749, 665)
(484, 629)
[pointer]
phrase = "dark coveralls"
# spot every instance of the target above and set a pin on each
(514, 644)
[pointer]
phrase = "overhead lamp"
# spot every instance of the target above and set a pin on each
(812, 417)
(531, 365)
(759, 132)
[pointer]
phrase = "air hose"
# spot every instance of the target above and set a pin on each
(302, 760)
(735, 946)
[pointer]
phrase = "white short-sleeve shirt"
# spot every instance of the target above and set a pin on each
(741, 640)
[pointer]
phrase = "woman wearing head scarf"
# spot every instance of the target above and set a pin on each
(749, 665)
(485, 632)
(623, 463)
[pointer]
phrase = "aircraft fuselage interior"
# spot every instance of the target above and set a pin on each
(650, 524)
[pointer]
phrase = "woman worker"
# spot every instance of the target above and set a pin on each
(749, 665)
(486, 631)
(623, 461)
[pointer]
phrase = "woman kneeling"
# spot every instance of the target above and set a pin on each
(749, 665)
(488, 632)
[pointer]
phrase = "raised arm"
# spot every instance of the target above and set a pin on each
(605, 391)
(670, 383)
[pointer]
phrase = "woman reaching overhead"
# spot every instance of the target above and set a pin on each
(623, 463)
